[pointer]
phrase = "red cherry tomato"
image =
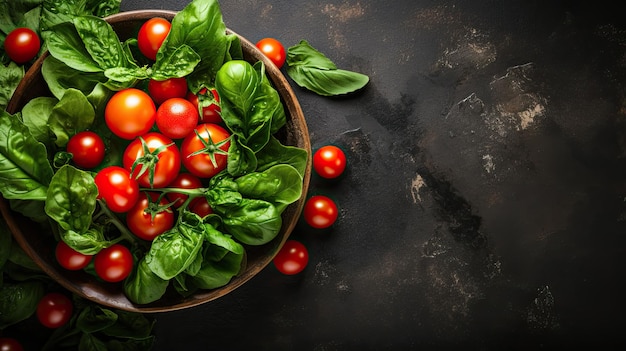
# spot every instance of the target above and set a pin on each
(69, 258)
(198, 150)
(207, 104)
(161, 90)
(184, 180)
(151, 36)
(292, 258)
(164, 157)
(176, 118)
(117, 188)
(10, 344)
(114, 263)
(22, 45)
(273, 49)
(130, 113)
(54, 310)
(320, 211)
(148, 226)
(329, 161)
(87, 149)
(201, 207)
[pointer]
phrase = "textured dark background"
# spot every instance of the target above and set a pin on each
(484, 204)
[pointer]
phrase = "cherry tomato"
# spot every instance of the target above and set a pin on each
(114, 263)
(320, 211)
(54, 310)
(207, 104)
(151, 36)
(329, 161)
(22, 45)
(161, 90)
(117, 188)
(176, 118)
(201, 207)
(69, 258)
(163, 158)
(292, 258)
(130, 113)
(184, 180)
(87, 149)
(10, 344)
(273, 49)
(146, 225)
(200, 149)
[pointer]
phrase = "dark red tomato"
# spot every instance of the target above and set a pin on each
(148, 225)
(320, 211)
(208, 104)
(116, 187)
(10, 344)
(329, 161)
(69, 258)
(292, 258)
(87, 149)
(130, 113)
(163, 158)
(176, 118)
(22, 45)
(273, 49)
(184, 180)
(205, 153)
(201, 207)
(54, 310)
(114, 263)
(151, 36)
(161, 90)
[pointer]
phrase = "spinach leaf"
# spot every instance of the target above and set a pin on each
(281, 185)
(143, 286)
(10, 77)
(24, 168)
(18, 301)
(312, 70)
(252, 221)
(72, 114)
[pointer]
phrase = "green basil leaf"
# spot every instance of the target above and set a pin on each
(101, 41)
(215, 274)
(19, 301)
(89, 242)
(102, 8)
(241, 159)
(253, 222)
(131, 325)
(280, 185)
(95, 318)
(71, 199)
(143, 286)
(176, 63)
(276, 153)
(61, 77)
(72, 114)
(303, 54)
(10, 77)
(36, 114)
(89, 342)
(66, 45)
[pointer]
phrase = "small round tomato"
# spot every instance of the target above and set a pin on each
(152, 155)
(114, 263)
(161, 90)
(184, 180)
(22, 45)
(329, 161)
(10, 344)
(273, 49)
(130, 113)
(201, 207)
(292, 258)
(176, 118)
(87, 149)
(150, 217)
(117, 188)
(207, 102)
(54, 310)
(205, 151)
(69, 258)
(151, 36)
(320, 211)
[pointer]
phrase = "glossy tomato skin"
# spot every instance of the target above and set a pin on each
(151, 36)
(54, 310)
(22, 44)
(10, 344)
(116, 187)
(87, 149)
(161, 90)
(130, 113)
(69, 258)
(201, 207)
(210, 111)
(145, 225)
(320, 211)
(200, 164)
(114, 263)
(329, 161)
(176, 118)
(167, 166)
(273, 49)
(184, 180)
(292, 258)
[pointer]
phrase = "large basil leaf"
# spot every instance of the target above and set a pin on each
(71, 199)
(61, 77)
(215, 274)
(176, 63)
(276, 153)
(241, 159)
(24, 13)
(89, 242)
(58, 11)
(143, 286)
(281, 185)
(36, 114)
(19, 301)
(24, 168)
(66, 45)
(72, 114)
(10, 77)
(253, 222)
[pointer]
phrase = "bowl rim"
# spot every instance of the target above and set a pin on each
(295, 115)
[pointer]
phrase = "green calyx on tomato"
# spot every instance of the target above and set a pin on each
(153, 160)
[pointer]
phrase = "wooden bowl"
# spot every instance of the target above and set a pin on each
(40, 247)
